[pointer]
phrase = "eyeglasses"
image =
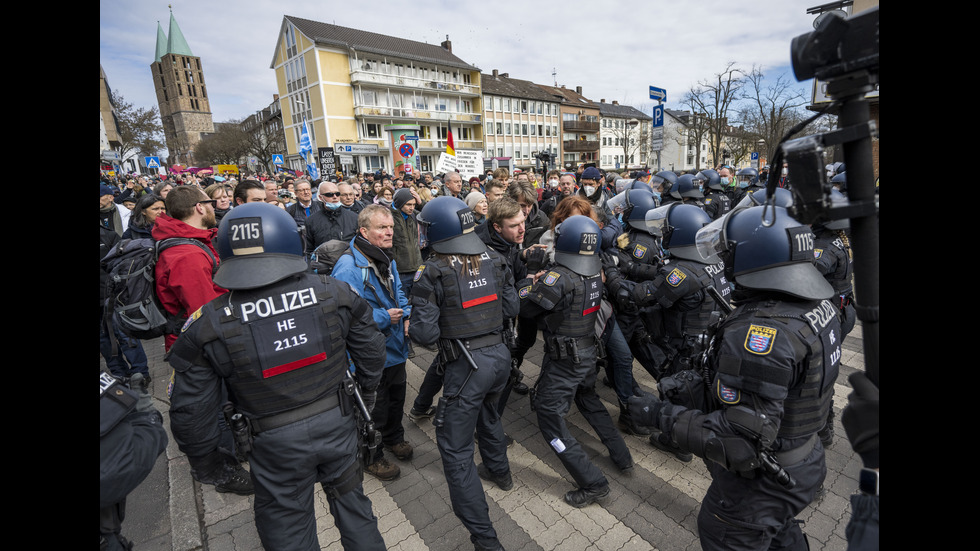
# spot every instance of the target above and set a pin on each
(211, 202)
(330, 194)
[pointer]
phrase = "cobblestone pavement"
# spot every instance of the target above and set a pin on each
(656, 507)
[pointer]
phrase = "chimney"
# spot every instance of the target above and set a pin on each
(505, 75)
(578, 90)
(275, 97)
(603, 100)
(447, 45)
(495, 73)
(615, 102)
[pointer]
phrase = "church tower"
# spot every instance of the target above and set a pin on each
(181, 93)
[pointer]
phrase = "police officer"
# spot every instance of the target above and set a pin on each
(747, 182)
(566, 301)
(716, 201)
(131, 437)
(771, 368)
(460, 298)
(681, 290)
(280, 341)
(688, 191)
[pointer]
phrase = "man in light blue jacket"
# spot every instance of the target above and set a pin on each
(370, 269)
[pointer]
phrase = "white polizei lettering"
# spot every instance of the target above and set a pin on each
(820, 316)
(715, 269)
(265, 307)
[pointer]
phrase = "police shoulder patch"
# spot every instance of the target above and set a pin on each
(676, 277)
(191, 319)
(759, 339)
(551, 278)
(817, 253)
(418, 273)
(639, 251)
(727, 395)
(524, 291)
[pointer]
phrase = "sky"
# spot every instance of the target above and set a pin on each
(613, 49)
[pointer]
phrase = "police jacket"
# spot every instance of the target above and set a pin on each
(450, 301)
(360, 273)
(774, 362)
(833, 260)
(281, 350)
(563, 302)
(327, 224)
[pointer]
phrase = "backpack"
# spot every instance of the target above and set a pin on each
(131, 299)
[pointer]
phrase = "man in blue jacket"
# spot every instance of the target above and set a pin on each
(370, 269)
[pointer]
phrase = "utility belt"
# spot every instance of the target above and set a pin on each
(845, 299)
(561, 347)
(449, 350)
(328, 402)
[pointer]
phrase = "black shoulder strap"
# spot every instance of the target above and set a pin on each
(174, 241)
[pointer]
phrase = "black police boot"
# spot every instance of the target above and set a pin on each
(662, 443)
(582, 497)
(238, 481)
(503, 481)
(487, 545)
(627, 425)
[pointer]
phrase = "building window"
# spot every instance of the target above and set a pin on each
(372, 130)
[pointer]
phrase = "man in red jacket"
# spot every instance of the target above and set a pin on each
(183, 273)
(184, 284)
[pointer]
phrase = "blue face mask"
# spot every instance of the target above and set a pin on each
(333, 206)
(743, 184)
(657, 195)
(725, 181)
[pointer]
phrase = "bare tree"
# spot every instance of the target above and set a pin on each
(228, 145)
(632, 138)
(140, 130)
(712, 99)
(771, 108)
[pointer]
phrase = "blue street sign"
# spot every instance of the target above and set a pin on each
(277, 159)
(658, 93)
(755, 155)
(658, 116)
(152, 162)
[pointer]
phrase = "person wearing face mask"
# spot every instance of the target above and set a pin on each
(725, 179)
(332, 221)
(592, 190)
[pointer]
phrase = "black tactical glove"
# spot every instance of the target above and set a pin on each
(645, 410)
(860, 419)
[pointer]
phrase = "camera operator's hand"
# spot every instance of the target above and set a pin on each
(860, 419)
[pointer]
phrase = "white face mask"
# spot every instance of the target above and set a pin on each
(434, 192)
(589, 190)
(553, 183)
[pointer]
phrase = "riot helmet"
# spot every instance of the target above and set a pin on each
(783, 198)
(665, 177)
(747, 177)
(679, 224)
(840, 182)
(837, 199)
(686, 188)
(764, 248)
(448, 226)
(638, 202)
(259, 244)
(577, 245)
(709, 180)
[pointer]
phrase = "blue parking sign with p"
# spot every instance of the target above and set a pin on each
(658, 116)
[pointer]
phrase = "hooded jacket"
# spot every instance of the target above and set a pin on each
(184, 273)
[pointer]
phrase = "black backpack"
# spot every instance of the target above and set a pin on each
(131, 299)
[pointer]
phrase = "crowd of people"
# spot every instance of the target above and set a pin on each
(673, 271)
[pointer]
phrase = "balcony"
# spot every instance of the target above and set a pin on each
(580, 126)
(413, 83)
(571, 146)
(416, 114)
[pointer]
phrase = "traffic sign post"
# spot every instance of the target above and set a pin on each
(658, 94)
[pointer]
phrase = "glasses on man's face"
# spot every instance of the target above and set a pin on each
(211, 202)
(330, 194)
